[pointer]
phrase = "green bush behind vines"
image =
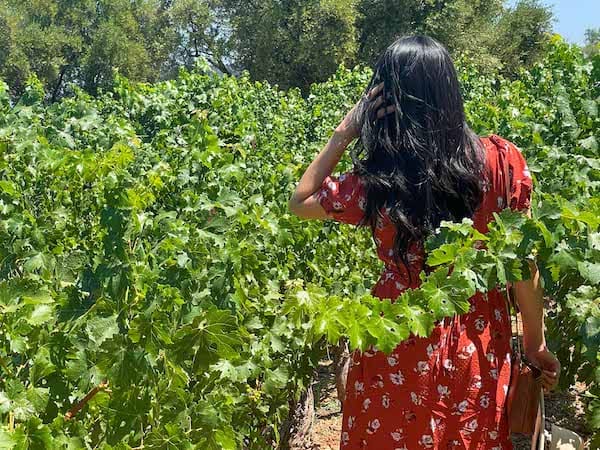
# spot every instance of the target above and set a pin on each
(146, 249)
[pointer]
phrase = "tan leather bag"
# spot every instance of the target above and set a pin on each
(524, 392)
(525, 387)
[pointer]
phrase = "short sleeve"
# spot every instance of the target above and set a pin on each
(343, 198)
(521, 182)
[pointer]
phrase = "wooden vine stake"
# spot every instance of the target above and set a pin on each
(79, 405)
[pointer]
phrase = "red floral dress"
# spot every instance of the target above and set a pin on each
(445, 391)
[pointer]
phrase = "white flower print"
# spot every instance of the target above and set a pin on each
(467, 351)
(351, 421)
(443, 391)
(373, 426)
(359, 387)
(385, 401)
(426, 441)
(392, 361)
(498, 315)
(461, 408)
(400, 286)
(484, 401)
(433, 423)
(397, 378)
(411, 257)
(471, 426)
(398, 434)
(486, 186)
(342, 177)
(348, 197)
(416, 399)
(476, 382)
(494, 373)
(448, 364)
(493, 434)
(390, 276)
(366, 403)
(337, 205)
(332, 186)
(378, 381)
(500, 202)
(431, 348)
(345, 438)
(362, 204)
(391, 252)
(422, 367)
(480, 323)
(490, 357)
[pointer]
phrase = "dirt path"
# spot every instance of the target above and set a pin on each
(565, 409)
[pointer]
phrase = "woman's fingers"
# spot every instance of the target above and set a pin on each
(378, 102)
(376, 90)
(383, 111)
(549, 380)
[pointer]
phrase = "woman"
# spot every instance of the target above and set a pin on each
(423, 164)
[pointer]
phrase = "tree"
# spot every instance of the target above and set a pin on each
(286, 42)
(483, 29)
(522, 35)
(38, 39)
(592, 42)
(292, 42)
(204, 31)
(64, 41)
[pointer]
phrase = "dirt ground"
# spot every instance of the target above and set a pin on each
(564, 409)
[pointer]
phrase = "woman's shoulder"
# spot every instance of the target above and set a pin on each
(498, 149)
(501, 154)
(493, 142)
(498, 143)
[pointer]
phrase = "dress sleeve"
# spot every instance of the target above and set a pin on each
(343, 198)
(521, 183)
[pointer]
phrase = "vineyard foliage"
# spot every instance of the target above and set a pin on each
(146, 250)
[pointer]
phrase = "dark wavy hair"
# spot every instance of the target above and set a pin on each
(422, 160)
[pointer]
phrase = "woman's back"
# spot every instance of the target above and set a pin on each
(343, 198)
(446, 390)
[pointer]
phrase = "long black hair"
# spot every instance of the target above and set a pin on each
(422, 161)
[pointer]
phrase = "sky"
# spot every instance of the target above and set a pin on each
(573, 17)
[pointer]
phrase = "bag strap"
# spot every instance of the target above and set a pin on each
(538, 438)
(510, 301)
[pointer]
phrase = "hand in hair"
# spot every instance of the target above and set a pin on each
(349, 125)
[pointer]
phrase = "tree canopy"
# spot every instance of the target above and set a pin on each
(286, 42)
